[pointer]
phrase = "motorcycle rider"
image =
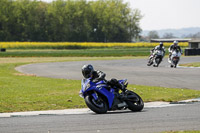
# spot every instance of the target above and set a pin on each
(159, 47)
(173, 47)
(89, 72)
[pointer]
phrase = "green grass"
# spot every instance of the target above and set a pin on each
(92, 52)
(195, 64)
(182, 132)
(154, 93)
(21, 92)
(101, 52)
(25, 93)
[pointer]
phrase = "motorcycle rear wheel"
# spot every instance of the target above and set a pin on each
(135, 106)
(99, 107)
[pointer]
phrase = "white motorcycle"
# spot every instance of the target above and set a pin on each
(155, 58)
(174, 58)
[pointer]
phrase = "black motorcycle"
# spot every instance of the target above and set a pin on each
(155, 58)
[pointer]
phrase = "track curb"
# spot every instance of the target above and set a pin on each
(158, 104)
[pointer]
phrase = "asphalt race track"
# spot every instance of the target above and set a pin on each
(135, 70)
(150, 120)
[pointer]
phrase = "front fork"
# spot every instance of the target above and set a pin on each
(95, 96)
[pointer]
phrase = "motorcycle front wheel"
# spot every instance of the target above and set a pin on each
(99, 107)
(135, 106)
(150, 62)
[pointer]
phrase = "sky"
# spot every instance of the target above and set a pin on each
(167, 14)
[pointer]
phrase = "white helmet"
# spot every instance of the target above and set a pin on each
(175, 42)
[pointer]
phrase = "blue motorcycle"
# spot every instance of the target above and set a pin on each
(100, 97)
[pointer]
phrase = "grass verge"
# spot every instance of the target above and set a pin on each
(21, 92)
(182, 132)
(100, 52)
(195, 64)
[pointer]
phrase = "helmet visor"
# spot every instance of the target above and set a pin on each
(87, 73)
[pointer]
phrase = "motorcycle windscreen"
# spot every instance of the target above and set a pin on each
(84, 82)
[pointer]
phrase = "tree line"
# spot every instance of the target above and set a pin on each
(167, 35)
(68, 21)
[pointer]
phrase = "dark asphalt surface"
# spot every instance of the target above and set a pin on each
(151, 120)
(135, 70)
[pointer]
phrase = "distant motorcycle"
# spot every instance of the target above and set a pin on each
(155, 58)
(100, 98)
(174, 58)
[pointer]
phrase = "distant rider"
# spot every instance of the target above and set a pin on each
(173, 47)
(159, 47)
(89, 72)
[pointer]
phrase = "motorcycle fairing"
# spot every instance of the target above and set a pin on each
(99, 87)
(175, 56)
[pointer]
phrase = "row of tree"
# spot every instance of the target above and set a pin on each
(194, 36)
(155, 35)
(68, 20)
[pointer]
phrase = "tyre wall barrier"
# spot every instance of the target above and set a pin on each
(195, 51)
(2, 50)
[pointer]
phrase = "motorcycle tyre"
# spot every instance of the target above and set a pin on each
(93, 107)
(155, 65)
(149, 63)
(133, 106)
(175, 65)
(157, 62)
